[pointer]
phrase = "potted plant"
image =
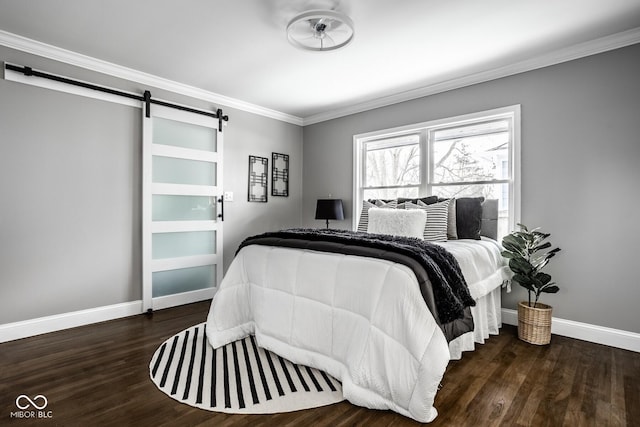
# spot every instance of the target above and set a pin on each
(528, 254)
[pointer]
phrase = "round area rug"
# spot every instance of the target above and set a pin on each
(239, 378)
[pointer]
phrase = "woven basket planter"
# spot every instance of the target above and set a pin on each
(534, 323)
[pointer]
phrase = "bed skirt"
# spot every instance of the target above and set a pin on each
(487, 319)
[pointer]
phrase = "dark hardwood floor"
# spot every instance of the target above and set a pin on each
(97, 375)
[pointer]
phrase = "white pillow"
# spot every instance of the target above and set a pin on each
(397, 222)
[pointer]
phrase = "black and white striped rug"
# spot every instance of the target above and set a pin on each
(237, 378)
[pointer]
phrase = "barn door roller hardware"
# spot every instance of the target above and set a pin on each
(145, 97)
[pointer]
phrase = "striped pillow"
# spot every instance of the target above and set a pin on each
(435, 229)
(363, 224)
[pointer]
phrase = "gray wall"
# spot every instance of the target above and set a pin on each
(580, 173)
(70, 187)
(259, 136)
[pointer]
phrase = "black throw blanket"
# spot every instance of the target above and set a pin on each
(449, 286)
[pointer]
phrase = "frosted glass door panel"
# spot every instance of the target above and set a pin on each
(185, 135)
(170, 170)
(186, 243)
(183, 208)
(182, 229)
(183, 280)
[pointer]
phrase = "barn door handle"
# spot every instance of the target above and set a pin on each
(221, 214)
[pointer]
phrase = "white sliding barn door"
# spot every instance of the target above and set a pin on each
(181, 207)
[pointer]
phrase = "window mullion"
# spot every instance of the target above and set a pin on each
(493, 181)
(425, 158)
(386, 187)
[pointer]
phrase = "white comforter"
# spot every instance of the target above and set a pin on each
(362, 320)
(481, 263)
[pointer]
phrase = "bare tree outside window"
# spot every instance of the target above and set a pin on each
(393, 168)
(476, 161)
(472, 161)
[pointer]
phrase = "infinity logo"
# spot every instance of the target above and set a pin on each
(30, 402)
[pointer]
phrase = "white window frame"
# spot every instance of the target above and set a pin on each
(423, 129)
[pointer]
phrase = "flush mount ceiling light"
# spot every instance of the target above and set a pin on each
(320, 30)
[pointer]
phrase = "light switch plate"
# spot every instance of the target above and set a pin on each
(228, 196)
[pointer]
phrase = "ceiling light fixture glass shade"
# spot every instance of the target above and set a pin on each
(320, 30)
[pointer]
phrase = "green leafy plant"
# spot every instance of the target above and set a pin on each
(527, 257)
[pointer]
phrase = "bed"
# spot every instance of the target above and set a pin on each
(371, 321)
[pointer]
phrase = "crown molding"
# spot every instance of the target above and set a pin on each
(23, 44)
(581, 50)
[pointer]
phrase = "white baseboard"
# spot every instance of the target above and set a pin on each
(43, 325)
(584, 331)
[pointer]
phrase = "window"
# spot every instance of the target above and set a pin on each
(392, 167)
(465, 156)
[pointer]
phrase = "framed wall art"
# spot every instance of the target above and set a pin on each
(279, 174)
(258, 177)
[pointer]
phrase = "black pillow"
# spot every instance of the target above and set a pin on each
(469, 217)
(429, 200)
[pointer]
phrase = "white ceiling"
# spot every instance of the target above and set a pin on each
(239, 49)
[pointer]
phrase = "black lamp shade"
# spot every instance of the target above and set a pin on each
(329, 209)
